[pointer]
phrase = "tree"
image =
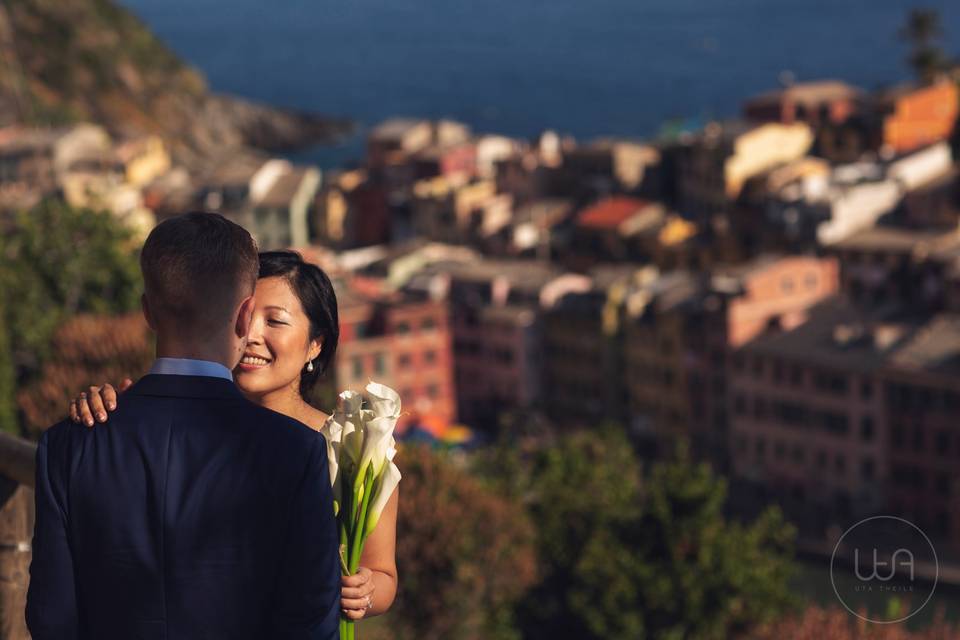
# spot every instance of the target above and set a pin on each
(86, 350)
(464, 555)
(631, 556)
(922, 31)
(58, 262)
(693, 573)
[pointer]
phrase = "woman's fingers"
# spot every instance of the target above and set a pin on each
(354, 614)
(353, 603)
(83, 408)
(126, 384)
(361, 577)
(95, 400)
(109, 395)
(357, 592)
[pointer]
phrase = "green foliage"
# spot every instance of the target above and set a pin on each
(623, 556)
(694, 574)
(58, 262)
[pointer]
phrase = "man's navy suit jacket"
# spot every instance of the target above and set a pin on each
(192, 513)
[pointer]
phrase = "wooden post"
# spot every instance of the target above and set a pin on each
(17, 460)
(16, 532)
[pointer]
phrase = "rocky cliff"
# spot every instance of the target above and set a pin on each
(72, 60)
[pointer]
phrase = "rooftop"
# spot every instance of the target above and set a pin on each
(610, 213)
(840, 336)
(808, 93)
(396, 128)
(942, 245)
(284, 188)
(934, 348)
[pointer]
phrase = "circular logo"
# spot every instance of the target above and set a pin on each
(888, 560)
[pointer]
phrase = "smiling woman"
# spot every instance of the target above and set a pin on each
(295, 330)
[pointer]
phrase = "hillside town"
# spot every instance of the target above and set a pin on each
(781, 289)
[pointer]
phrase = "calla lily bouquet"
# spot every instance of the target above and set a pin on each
(360, 452)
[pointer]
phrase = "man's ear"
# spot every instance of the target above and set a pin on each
(145, 307)
(245, 316)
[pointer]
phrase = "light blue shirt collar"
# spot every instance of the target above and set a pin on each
(189, 367)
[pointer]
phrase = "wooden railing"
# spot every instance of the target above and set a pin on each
(17, 459)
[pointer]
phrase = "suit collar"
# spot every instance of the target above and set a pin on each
(177, 386)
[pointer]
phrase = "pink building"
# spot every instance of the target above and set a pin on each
(806, 408)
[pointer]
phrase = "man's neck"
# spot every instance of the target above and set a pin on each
(193, 352)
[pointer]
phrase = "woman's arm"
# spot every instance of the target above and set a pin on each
(377, 575)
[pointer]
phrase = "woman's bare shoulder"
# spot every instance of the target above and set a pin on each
(314, 418)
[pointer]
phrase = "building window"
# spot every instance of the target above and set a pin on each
(759, 409)
(796, 375)
(918, 439)
(430, 357)
(943, 443)
(897, 435)
(866, 428)
(777, 371)
(866, 389)
(779, 451)
(428, 324)
(740, 405)
(357, 367)
(379, 365)
(738, 362)
(840, 465)
(433, 391)
(810, 280)
(402, 327)
(866, 469)
(821, 459)
(404, 361)
(787, 284)
(943, 484)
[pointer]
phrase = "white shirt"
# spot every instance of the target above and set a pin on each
(189, 367)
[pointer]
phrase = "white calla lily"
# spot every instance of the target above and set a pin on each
(384, 401)
(387, 484)
(349, 402)
(376, 443)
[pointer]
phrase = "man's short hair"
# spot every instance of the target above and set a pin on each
(196, 268)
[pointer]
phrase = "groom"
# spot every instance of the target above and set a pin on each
(194, 513)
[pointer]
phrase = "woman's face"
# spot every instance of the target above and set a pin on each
(278, 345)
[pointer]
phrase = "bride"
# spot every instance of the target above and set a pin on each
(291, 342)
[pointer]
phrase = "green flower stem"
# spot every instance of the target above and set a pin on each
(358, 537)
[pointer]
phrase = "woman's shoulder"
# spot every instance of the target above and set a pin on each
(314, 418)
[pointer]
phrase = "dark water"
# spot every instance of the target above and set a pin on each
(584, 67)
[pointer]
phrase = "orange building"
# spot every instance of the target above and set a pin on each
(915, 117)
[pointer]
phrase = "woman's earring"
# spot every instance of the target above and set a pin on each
(310, 366)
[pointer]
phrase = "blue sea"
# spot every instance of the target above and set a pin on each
(583, 67)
